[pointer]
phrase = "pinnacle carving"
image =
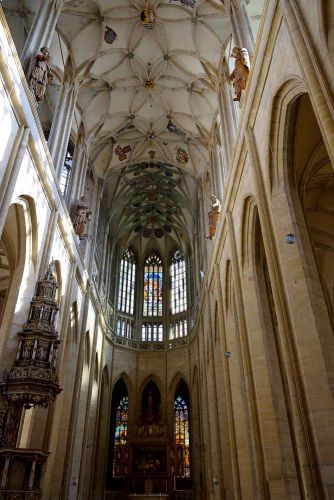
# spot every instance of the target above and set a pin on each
(33, 381)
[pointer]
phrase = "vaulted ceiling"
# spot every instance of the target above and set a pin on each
(147, 71)
(146, 88)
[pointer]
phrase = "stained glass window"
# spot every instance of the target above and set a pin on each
(125, 327)
(121, 425)
(120, 437)
(182, 441)
(153, 286)
(127, 283)
(152, 332)
(178, 283)
(178, 328)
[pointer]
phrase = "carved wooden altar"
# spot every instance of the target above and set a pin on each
(146, 465)
(21, 472)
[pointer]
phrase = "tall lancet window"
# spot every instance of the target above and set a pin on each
(181, 435)
(127, 283)
(178, 283)
(121, 405)
(121, 434)
(153, 286)
(178, 324)
(121, 423)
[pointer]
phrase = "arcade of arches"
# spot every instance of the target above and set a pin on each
(166, 249)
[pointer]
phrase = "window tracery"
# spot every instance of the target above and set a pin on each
(125, 328)
(153, 276)
(127, 283)
(178, 329)
(152, 332)
(152, 313)
(182, 436)
(178, 283)
(121, 433)
(178, 325)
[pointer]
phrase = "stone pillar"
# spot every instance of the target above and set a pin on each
(78, 172)
(252, 404)
(242, 32)
(203, 212)
(61, 124)
(10, 180)
(140, 298)
(309, 414)
(166, 291)
(228, 389)
(218, 173)
(42, 30)
(95, 204)
(227, 116)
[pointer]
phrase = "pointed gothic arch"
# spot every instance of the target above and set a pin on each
(310, 185)
(247, 231)
(280, 115)
(118, 433)
(178, 378)
(151, 404)
(182, 431)
(19, 244)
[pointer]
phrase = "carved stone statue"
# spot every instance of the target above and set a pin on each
(82, 216)
(40, 75)
(214, 215)
(241, 70)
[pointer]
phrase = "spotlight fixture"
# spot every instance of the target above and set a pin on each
(290, 238)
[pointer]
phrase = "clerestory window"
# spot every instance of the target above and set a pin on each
(127, 283)
(148, 322)
(178, 283)
(178, 324)
(152, 296)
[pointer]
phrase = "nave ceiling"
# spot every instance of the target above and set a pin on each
(147, 91)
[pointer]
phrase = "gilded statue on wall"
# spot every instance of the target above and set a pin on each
(81, 217)
(40, 75)
(214, 215)
(241, 71)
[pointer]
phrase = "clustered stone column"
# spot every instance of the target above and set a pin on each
(42, 30)
(62, 122)
(241, 28)
(79, 168)
(32, 381)
(39, 39)
(228, 125)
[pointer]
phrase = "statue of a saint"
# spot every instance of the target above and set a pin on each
(82, 216)
(40, 75)
(241, 70)
(213, 216)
